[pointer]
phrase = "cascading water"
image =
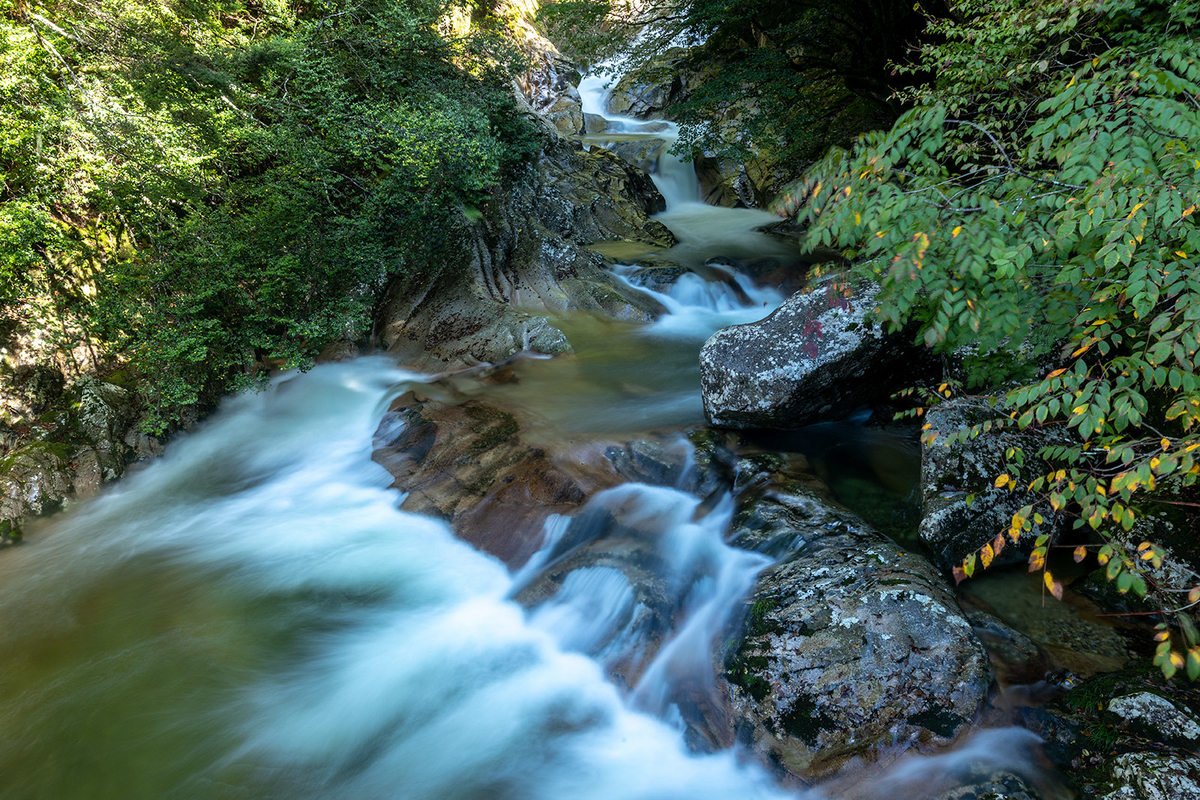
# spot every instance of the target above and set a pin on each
(252, 616)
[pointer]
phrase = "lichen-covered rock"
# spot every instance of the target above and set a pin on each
(34, 480)
(1157, 716)
(850, 643)
(528, 255)
(961, 507)
(820, 356)
(1154, 776)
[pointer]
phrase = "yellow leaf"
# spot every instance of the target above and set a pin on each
(1166, 444)
(1177, 659)
(1135, 210)
(1057, 372)
(1054, 586)
(1187, 212)
(857, 218)
(1162, 636)
(1181, 254)
(1002, 480)
(954, 233)
(986, 555)
(1080, 553)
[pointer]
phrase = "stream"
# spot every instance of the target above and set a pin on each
(253, 616)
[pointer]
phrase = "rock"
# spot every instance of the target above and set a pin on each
(594, 123)
(566, 115)
(1157, 716)
(1152, 776)
(850, 644)
(647, 99)
(640, 153)
(35, 388)
(34, 480)
(717, 182)
(992, 785)
(820, 356)
(528, 256)
(1124, 736)
(466, 460)
(961, 508)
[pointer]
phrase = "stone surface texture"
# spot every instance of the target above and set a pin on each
(850, 643)
(820, 356)
(961, 508)
(1163, 718)
(1153, 776)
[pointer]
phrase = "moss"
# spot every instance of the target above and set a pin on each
(939, 722)
(10, 532)
(503, 427)
(756, 620)
(805, 722)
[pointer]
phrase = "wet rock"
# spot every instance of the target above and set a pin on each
(850, 643)
(1016, 660)
(1153, 776)
(467, 461)
(594, 123)
(962, 509)
(527, 256)
(718, 183)
(659, 274)
(640, 153)
(645, 99)
(821, 355)
(992, 785)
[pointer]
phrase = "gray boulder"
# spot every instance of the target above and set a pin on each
(1153, 776)
(1157, 717)
(850, 643)
(961, 508)
(34, 480)
(594, 123)
(640, 153)
(820, 356)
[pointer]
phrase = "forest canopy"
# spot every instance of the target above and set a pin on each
(208, 188)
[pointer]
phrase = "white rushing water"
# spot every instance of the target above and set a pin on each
(253, 617)
(347, 649)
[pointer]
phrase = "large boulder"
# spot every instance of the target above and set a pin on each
(850, 644)
(961, 507)
(819, 356)
(34, 480)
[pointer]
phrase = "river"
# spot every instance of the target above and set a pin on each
(253, 616)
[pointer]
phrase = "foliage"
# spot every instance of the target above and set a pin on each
(1040, 200)
(245, 176)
